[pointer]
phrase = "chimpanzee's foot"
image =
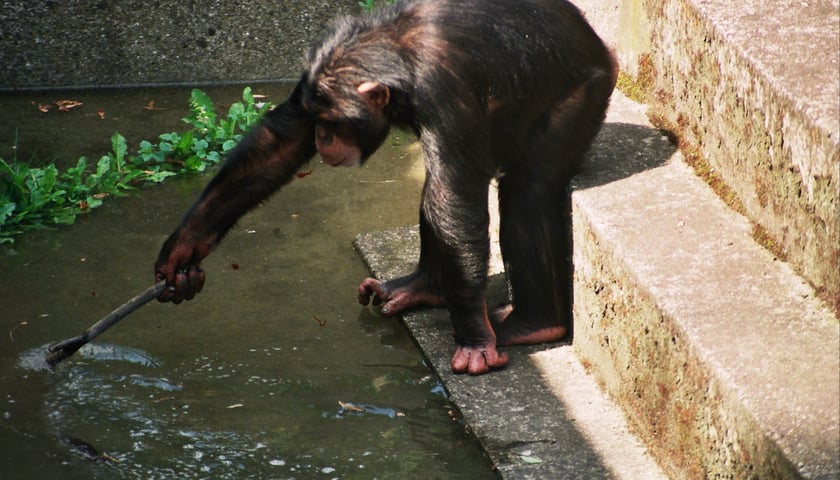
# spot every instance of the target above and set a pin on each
(514, 329)
(399, 295)
(477, 360)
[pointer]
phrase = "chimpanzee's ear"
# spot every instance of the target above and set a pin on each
(376, 94)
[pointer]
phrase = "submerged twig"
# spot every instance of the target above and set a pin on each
(12, 331)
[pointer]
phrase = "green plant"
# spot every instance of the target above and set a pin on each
(370, 5)
(32, 198)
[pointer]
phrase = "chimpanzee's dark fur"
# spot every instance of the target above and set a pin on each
(513, 90)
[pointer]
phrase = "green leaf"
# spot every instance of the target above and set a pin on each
(65, 217)
(93, 202)
(214, 157)
(247, 96)
(228, 145)
(119, 149)
(172, 137)
(158, 177)
(203, 113)
(194, 164)
(6, 210)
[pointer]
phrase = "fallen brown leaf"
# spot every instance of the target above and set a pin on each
(351, 407)
(67, 105)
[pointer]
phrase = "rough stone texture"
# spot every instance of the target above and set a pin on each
(78, 43)
(754, 86)
(721, 356)
(541, 417)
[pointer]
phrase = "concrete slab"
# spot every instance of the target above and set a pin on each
(542, 417)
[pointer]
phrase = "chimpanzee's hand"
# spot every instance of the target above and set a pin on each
(178, 264)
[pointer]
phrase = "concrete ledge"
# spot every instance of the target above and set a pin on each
(543, 416)
(722, 357)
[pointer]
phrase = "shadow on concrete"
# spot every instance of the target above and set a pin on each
(622, 150)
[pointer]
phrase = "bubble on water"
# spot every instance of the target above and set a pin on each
(35, 359)
(276, 462)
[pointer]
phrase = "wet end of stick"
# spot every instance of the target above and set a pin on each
(60, 351)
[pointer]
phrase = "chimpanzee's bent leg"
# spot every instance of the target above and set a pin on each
(534, 206)
(534, 239)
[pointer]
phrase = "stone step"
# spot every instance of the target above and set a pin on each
(718, 352)
(752, 90)
(721, 356)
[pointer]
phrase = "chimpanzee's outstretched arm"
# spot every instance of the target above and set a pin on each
(264, 160)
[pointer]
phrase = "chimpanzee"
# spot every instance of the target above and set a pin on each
(512, 90)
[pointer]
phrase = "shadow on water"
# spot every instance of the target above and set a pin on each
(274, 371)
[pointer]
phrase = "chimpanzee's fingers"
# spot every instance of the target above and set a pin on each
(399, 302)
(364, 295)
(195, 281)
(181, 287)
(371, 287)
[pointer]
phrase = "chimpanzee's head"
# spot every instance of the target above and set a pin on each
(346, 90)
(351, 120)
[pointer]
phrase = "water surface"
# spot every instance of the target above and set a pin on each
(274, 371)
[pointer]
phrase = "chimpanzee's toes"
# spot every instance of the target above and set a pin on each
(477, 360)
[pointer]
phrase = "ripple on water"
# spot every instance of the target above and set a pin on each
(35, 359)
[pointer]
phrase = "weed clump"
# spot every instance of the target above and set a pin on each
(34, 198)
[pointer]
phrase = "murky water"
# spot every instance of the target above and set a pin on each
(274, 371)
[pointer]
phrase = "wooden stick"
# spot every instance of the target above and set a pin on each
(61, 350)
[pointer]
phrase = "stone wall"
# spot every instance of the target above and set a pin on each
(81, 43)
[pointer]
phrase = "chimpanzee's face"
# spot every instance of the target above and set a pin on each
(351, 123)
